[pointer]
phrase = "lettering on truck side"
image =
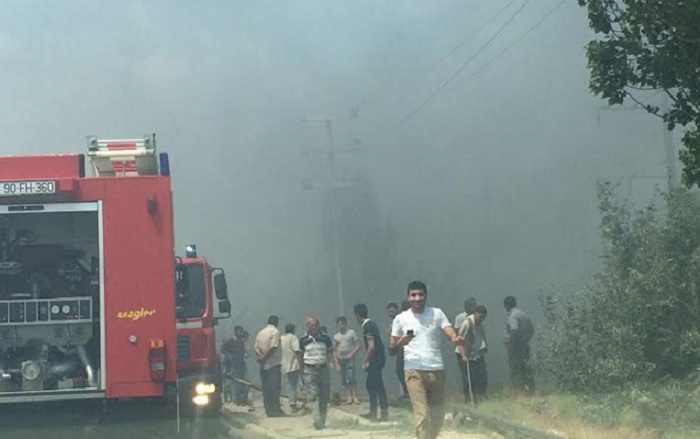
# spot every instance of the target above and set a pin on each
(135, 314)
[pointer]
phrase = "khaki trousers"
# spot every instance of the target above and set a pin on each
(317, 382)
(427, 391)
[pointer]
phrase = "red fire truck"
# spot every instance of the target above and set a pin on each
(88, 301)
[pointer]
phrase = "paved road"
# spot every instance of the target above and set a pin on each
(133, 420)
(343, 422)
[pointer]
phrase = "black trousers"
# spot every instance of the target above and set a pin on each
(240, 390)
(463, 374)
(376, 390)
(271, 387)
(520, 367)
(480, 378)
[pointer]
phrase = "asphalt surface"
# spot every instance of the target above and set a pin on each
(342, 422)
(128, 420)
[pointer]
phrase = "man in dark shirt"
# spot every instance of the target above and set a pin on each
(374, 363)
(233, 350)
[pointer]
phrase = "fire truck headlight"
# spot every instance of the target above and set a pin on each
(201, 400)
(205, 389)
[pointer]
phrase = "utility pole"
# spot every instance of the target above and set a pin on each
(334, 206)
(330, 151)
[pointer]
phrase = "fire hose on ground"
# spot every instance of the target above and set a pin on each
(255, 386)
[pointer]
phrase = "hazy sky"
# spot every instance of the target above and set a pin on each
(488, 190)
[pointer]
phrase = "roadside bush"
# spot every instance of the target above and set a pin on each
(639, 320)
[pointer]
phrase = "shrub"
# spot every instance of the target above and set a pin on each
(639, 320)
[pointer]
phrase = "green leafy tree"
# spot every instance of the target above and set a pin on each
(640, 318)
(644, 45)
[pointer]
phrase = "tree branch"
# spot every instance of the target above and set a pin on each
(641, 104)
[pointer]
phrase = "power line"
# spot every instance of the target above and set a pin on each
(452, 51)
(461, 68)
(478, 31)
(514, 43)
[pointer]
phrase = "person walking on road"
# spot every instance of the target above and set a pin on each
(346, 347)
(374, 362)
(519, 331)
(290, 363)
(317, 353)
(472, 354)
(419, 331)
(269, 357)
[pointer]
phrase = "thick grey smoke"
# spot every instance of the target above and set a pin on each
(487, 190)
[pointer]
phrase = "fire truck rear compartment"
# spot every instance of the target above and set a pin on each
(49, 299)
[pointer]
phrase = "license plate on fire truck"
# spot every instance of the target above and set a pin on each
(18, 188)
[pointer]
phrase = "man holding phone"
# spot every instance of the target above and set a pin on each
(419, 331)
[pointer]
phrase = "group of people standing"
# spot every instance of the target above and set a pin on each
(415, 340)
(471, 354)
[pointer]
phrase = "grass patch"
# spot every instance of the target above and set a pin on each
(565, 415)
(662, 411)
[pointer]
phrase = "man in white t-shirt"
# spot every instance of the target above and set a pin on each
(346, 347)
(419, 331)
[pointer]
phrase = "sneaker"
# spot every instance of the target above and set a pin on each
(384, 417)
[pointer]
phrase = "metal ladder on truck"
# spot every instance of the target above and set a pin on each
(125, 157)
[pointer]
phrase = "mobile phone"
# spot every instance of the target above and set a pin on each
(409, 332)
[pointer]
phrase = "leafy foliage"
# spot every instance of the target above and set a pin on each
(640, 319)
(646, 45)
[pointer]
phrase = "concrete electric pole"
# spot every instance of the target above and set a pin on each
(330, 152)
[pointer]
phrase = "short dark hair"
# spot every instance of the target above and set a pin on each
(417, 285)
(405, 305)
(481, 309)
(509, 302)
(273, 320)
(237, 328)
(470, 305)
(392, 305)
(289, 328)
(360, 310)
(341, 319)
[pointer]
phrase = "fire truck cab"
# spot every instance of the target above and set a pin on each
(198, 286)
(87, 303)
